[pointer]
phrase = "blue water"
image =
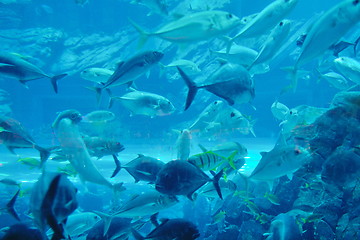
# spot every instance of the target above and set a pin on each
(98, 34)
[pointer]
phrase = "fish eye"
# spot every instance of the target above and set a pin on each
(297, 151)
(232, 114)
(229, 16)
(355, 2)
(281, 23)
(216, 102)
(74, 116)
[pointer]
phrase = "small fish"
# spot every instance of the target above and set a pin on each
(68, 169)
(177, 228)
(207, 115)
(32, 162)
(156, 6)
(183, 144)
(272, 198)
(220, 216)
(312, 218)
(99, 147)
(210, 160)
(97, 75)
(336, 80)
(349, 67)
(10, 182)
(230, 82)
(12, 65)
(188, 66)
(193, 27)
(279, 110)
(144, 168)
(145, 103)
(99, 116)
(254, 209)
(227, 188)
(183, 178)
(16, 136)
(227, 148)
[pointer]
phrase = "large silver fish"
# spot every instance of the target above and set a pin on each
(12, 65)
(349, 67)
(193, 27)
(230, 82)
(280, 161)
(72, 144)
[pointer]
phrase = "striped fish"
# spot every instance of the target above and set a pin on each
(209, 160)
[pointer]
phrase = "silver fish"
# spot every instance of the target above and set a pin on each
(145, 103)
(349, 67)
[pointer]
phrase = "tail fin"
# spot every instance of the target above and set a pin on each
(10, 206)
(143, 35)
(44, 154)
(229, 44)
(192, 88)
(216, 182)
(202, 148)
(107, 220)
(231, 159)
(118, 166)
(54, 80)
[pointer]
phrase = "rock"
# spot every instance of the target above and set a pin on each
(250, 230)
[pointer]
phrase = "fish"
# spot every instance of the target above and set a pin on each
(279, 110)
(52, 200)
(10, 182)
(210, 160)
(230, 119)
(73, 146)
(349, 67)
(219, 217)
(285, 227)
(241, 55)
(156, 6)
(144, 168)
(119, 229)
(14, 135)
(78, 223)
(176, 228)
(21, 231)
(183, 144)
(188, 66)
(230, 82)
(99, 116)
(192, 27)
(183, 178)
(207, 115)
(280, 161)
(336, 80)
(272, 198)
(99, 147)
(326, 31)
(272, 43)
(96, 75)
(147, 203)
(30, 161)
(267, 19)
(10, 207)
(12, 65)
(129, 70)
(227, 148)
(68, 169)
(145, 103)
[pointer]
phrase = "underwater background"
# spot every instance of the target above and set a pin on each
(70, 36)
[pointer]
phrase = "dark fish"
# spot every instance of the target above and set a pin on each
(22, 232)
(13, 135)
(169, 229)
(183, 178)
(13, 65)
(230, 82)
(129, 70)
(144, 168)
(99, 147)
(53, 199)
(10, 206)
